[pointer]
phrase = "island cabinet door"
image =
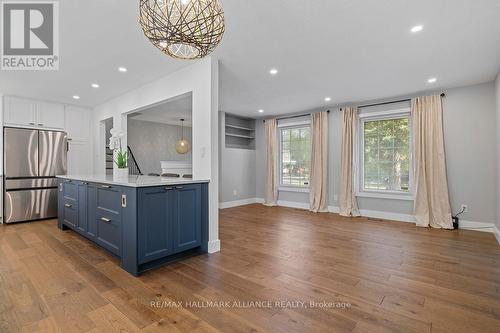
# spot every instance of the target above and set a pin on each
(91, 211)
(82, 205)
(108, 217)
(70, 203)
(155, 211)
(187, 217)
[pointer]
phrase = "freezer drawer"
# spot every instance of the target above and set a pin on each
(27, 205)
(24, 184)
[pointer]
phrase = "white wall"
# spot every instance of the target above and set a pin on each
(470, 135)
(497, 203)
(201, 78)
(237, 171)
(152, 143)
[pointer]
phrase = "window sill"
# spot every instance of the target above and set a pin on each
(293, 189)
(381, 195)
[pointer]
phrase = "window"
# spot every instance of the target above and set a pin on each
(385, 155)
(295, 155)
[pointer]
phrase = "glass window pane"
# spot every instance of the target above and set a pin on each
(386, 154)
(295, 156)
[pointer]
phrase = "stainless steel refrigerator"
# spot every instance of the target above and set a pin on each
(32, 159)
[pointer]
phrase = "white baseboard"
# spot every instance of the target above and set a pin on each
(477, 226)
(333, 209)
(293, 204)
(289, 204)
(375, 214)
(497, 233)
(236, 203)
(214, 246)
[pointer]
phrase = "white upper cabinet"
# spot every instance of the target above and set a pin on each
(50, 115)
(30, 113)
(19, 112)
(77, 123)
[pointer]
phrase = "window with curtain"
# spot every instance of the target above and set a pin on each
(295, 155)
(385, 154)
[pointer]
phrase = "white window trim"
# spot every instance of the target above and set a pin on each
(359, 157)
(282, 187)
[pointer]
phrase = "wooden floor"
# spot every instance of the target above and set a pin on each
(387, 276)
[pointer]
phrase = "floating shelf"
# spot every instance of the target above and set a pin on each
(240, 127)
(239, 132)
(240, 136)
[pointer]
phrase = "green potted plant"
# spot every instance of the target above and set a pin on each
(120, 155)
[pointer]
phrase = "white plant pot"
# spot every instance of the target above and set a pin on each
(120, 173)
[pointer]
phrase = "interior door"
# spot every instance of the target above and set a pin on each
(21, 153)
(53, 153)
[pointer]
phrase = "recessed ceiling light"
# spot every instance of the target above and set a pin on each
(417, 28)
(273, 71)
(95, 85)
(432, 80)
(76, 97)
(122, 69)
(261, 111)
(328, 99)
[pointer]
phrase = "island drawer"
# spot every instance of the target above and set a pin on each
(70, 211)
(108, 199)
(70, 189)
(109, 232)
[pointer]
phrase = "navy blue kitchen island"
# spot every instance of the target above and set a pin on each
(146, 221)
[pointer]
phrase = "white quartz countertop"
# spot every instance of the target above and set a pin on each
(133, 181)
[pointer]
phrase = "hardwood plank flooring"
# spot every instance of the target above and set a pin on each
(363, 275)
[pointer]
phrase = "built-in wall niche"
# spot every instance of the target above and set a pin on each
(240, 132)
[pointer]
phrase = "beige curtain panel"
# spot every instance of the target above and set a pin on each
(347, 199)
(271, 191)
(432, 203)
(319, 163)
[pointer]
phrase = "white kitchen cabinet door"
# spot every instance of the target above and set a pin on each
(50, 115)
(79, 158)
(77, 123)
(19, 112)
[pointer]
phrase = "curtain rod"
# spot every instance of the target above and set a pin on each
(295, 116)
(391, 102)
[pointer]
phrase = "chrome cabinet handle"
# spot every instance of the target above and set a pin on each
(179, 187)
(84, 183)
(32, 123)
(169, 188)
(105, 186)
(105, 220)
(67, 205)
(40, 124)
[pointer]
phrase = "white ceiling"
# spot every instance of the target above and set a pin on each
(170, 112)
(349, 50)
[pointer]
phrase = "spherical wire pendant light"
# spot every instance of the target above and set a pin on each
(183, 29)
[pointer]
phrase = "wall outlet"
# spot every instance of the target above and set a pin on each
(235, 192)
(464, 208)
